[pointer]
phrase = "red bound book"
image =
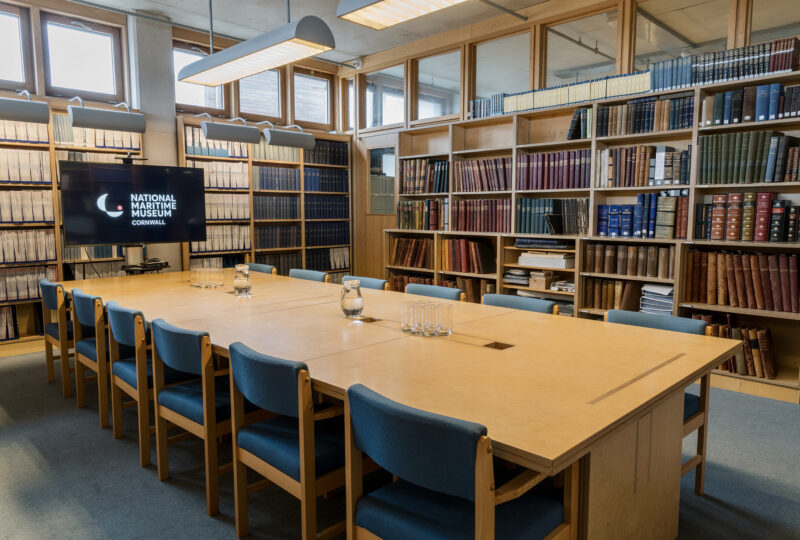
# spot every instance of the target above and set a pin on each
(733, 218)
(763, 270)
(763, 210)
(741, 291)
(793, 283)
(562, 170)
(786, 289)
(748, 282)
(567, 170)
(775, 281)
(541, 170)
(702, 291)
(732, 288)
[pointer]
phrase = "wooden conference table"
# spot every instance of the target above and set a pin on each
(567, 389)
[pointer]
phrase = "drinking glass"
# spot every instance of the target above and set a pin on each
(218, 274)
(429, 319)
(444, 319)
(407, 316)
(195, 273)
(416, 317)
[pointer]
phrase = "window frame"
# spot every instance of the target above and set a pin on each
(344, 108)
(413, 104)
(118, 57)
(473, 62)
(331, 78)
(26, 49)
(225, 111)
(252, 117)
(363, 99)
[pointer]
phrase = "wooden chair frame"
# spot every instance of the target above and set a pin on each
(309, 487)
(100, 367)
(486, 495)
(63, 343)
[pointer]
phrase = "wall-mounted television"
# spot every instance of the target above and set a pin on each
(106, 203)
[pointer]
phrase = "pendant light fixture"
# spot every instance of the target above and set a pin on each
(293, 139)
(215, 131)
(380, 14)
(87, 117)
(294, 41)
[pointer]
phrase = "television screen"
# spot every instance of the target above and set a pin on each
(106, 203)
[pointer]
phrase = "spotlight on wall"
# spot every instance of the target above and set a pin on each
(87, 117)
(215, 131)
(24, 110)
(293, 139)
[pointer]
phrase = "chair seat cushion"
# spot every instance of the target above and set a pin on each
(187, 399)
(404, 510)
(691, 405)
(126, 370)
(88, 348)
(277, 441)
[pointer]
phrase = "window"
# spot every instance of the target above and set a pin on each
(439, 85)
(82, 58)
(772, 20)
(503, 65)
(381, 181)
(260, 95)
(351, 105)
(16, 72)
(666, 29)
(312, 97)
(582, 49)
(194, 97)
(385, 97)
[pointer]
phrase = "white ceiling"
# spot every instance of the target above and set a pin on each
(248, 18)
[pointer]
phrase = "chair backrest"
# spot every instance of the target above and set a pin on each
(263, 268)
(310, 275)
(435, 291)
(122, 322)
(178, 348)
(659, 322)
(368, 282)
(266, 381)
(50, 293)
(83, 306)
(430, 450)
(519, 302)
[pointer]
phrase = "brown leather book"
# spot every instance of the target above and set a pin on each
(775, 281)
(610, 263)
(748, 281)
(722, 279)
(633, 254)
(767, 353)
(671, 263)
(652, 261)
(603, 294)
(641, 261)
(713, 329)
(690, 276)
(733, 296)
(766, 289)
(622, 260)
(794, 276)
(711, 279)
(702, 295)
(748, 354)
(752, 333)
(756, 276)
(598, 294)
(588, 293)
(786, 289)
(739, 359)
(741, 291)
(599, 251)
(631, 296)
(589, 255)
(610, 294)
(618, 286)
(663, 262)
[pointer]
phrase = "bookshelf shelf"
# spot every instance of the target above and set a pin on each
(266, 221)
(628, 278)
(275, 192)
(632, 240)
(241, 191)
(786, 377)
(212, 253)
(468, 233)
(543, 236)
(326, 165)
(412, 231)
(640, 189)
(124, 151)
(540, 291)
(277, 250)
(593, 311)
(427, 156)
(409, 269)
(328, 219)
(780, 123)
(743, 311)
(27, 225)
(29, 263)
(217, 158)
(479, 193)
(525, 267)
(20, 302)
(27, 185)
(761, 186)
(671, 135)
(548, 192)
(226, 221)
(323, 247)
(751, 245)
(423, 195)
(548, 250)
(90, 261)
(553, 145)
(268, 162)
(343, 193)
(26, 145)
(468, 274)
(486, 150)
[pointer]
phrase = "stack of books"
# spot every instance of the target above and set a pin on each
(546, 260)
(657, 299)
(643, 165)
(398, 282)
(516, 276)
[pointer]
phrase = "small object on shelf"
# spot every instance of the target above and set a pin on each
(547, 260)
(563, 286)
(540, 279)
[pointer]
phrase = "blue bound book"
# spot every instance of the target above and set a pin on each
(602, 220)
(651, 222)
(637, 215)
(626, 220)
(775, 93)
(613, 219)
(762, 102)
(727, 107)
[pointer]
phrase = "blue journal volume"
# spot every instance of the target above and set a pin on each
(762, 102)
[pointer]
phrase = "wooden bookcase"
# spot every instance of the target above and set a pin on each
(545, 130)
(302, 194)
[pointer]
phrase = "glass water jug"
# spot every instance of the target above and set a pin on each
(352, 302)
(241, 281)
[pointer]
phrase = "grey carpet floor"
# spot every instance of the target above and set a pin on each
(61, 476)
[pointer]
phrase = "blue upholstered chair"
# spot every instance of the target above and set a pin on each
(201, 406)
(262, 268)
(57, 333)
(370, 283)
(297, 448)
(90, 349)
(695, 408)
(434, 291)
(445, 479)
(521, 302)
(310, 275)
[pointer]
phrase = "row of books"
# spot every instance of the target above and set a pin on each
(411, 252)
(485, 107)
(746, 158)
(277, 236)
(655, 215)
(747, 217)
(333, 180)
(630, 260)
(267, 152)
(27, 246)
(657, 299)
(646, 115)
(327, 207)
(66, 134)
(643, 165)
(276, 207)
(482, 215)
(464, 255)
(26, 132)
(222, 174)
(580, 127)
(23, 283)
(474, 288)
(95, 270)
(328, 153)
(282, 262)
(428, 214)
(221, 206)
(326, 259)
(89, 253)
(757, 355)
(198, 145)
(552, 216)
(88, 157)
(224, 238)
(492, 174)
(612, 294)
(398, 282)
(568, 169)
(727, 65)
(8, 330)
(327, 234)
(424, 176)
(750, 104)
(25, 166)
(766, 281)
(276, 178)
(26, 206)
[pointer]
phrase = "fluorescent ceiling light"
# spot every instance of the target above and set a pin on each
(214, 131)
(292, 42)
(86, 117)
(380, 14)
(22, 110)
(293, 139)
